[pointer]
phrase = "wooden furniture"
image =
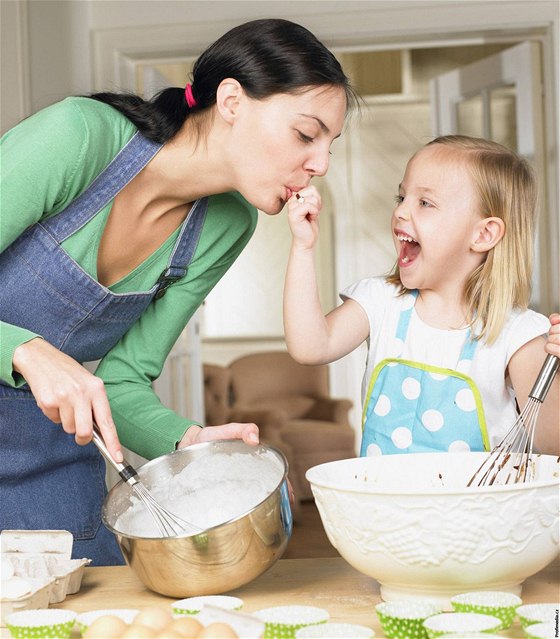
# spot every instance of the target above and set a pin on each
(329, 583)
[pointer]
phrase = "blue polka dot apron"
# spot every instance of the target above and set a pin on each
(412, 407)
(47, 481)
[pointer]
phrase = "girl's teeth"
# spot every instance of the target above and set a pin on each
(405, 259)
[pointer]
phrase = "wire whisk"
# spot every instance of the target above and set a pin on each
(169, 524)
(511, 460)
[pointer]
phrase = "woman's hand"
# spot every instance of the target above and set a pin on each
(249, 433)
(303, 216)
(67, 393)
(552, 345)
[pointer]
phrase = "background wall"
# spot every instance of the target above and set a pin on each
(55, 48)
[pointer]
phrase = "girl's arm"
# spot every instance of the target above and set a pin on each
(524, 368)
(312, 337)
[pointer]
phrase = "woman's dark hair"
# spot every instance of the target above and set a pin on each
(266, 57)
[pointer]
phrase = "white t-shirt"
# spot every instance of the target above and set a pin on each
(440, 347)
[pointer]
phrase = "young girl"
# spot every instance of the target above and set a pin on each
(119, 215)
(452, 348)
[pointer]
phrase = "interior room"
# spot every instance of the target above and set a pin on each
(421, 67)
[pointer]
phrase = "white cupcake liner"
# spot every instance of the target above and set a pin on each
(460, 622)
(193, 605)
(335, 631)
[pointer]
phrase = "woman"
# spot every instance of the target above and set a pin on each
(118, 218)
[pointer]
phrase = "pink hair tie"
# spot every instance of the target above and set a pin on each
(189, 96)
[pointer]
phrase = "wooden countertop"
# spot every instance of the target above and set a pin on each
(329, 583)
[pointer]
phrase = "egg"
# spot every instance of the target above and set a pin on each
(217, 631)
(154, 618)
(7, 568)
(186, 626)
(138, 631)
(105, 627)
(170, 634)
(15, 587)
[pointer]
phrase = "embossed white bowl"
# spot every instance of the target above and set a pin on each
(410, 522)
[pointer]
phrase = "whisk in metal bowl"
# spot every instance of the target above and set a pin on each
(510, 461)
(169, 524)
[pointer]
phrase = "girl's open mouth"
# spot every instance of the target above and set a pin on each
(410, 249)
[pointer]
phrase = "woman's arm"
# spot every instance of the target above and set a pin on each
(47, 161)
(128, 370)
(524, 367)
(312, 337)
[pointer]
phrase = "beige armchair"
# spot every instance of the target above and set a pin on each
(290, 403)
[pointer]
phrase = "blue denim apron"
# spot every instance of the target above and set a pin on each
(46, 480)
(413, 407)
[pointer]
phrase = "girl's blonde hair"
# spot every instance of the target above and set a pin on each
(507, 189)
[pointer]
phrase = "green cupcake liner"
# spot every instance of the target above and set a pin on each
(405, 619)
(193, 605)
(282, 622)
(502, 605)
(541, 631)
(335, 631)
(41, 623)
(538, 613)
(460, 622)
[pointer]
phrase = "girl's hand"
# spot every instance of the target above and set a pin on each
(552, 345)
(249, 433)
(303, 216)
(67, 393)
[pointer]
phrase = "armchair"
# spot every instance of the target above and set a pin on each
(291, 405)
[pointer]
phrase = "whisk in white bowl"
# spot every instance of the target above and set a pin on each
(510, 461)
(169, 524)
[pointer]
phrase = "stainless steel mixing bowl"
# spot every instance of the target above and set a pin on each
(218, 559)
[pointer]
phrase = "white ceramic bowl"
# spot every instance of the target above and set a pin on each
(410, 522)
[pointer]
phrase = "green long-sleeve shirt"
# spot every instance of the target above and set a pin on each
(46, 162)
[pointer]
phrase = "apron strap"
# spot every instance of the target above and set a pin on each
(185, 247)
(130, 160)
(404, 318)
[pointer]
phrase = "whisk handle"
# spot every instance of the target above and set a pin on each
(544, 380)
(126, 471)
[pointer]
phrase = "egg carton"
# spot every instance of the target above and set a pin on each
(38, 597)
(42, 557)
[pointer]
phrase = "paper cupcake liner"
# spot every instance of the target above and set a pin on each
(193, 605)
(460, 622)
(541, 631)
(538, 613)
(404, 619)
(282, 622)
(85, 619)
(502, 605)
(335, 631)
(39, 623)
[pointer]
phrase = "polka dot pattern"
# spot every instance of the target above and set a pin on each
(383, 406)
(413, 408)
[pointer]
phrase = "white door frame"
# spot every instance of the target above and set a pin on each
(116, 54)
